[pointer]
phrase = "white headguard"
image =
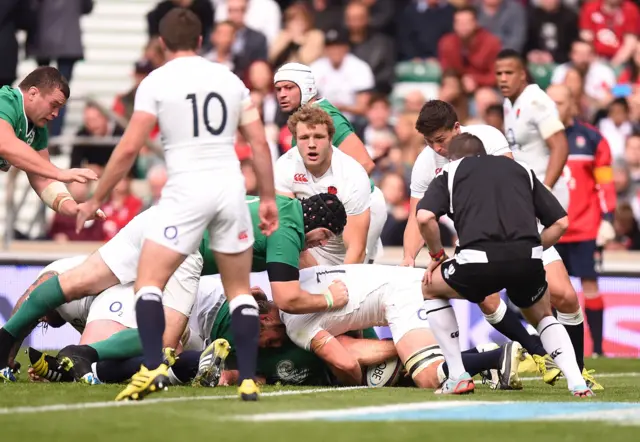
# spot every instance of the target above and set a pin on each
(302, 76)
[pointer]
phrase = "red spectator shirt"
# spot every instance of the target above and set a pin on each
(588, 172)
(118, 218)
(609, 29)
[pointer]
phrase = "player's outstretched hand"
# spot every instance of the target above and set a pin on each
(86, 212)
(428, 275)
(268, 212)
(340, 293)
(77, 175)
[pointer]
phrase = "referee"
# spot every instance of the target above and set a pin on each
(494, 202)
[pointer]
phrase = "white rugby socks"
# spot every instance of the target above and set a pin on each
(444, 326)
(556, 342)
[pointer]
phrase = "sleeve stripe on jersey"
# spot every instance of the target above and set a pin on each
(451, 171)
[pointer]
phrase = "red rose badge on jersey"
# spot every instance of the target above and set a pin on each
(332, 190)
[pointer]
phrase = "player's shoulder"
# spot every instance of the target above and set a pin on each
(9, 100)
(536, 96)
(489, 135)
(350, 164)
(210, 284)
(426, 158)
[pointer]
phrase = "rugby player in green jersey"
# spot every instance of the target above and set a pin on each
(24, 113)
(296, 86)
(303, 224)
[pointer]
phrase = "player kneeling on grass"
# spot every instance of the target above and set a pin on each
(114, 263)
(380, 295)
(106, 323)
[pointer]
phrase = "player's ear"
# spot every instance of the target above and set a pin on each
(162, 44)
(199, 43)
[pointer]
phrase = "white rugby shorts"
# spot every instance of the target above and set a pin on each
(189, 205)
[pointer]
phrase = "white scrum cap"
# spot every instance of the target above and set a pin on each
(302, 76)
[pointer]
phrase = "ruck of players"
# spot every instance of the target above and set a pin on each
(214, 287)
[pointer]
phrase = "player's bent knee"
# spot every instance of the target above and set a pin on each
(565, 300)
(490, 304)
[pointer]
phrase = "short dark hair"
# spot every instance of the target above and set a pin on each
(465, 145)
(496, 109)
(470, 9)
(46, 78)
(621, 101)
(506, 54)
(436, 115)
(180, 29)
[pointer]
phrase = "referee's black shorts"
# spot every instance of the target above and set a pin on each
(524, 279)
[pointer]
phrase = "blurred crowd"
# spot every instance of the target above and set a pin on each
(359, 51)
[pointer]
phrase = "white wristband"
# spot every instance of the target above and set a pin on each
(51, 192)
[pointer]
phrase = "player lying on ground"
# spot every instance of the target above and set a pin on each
(316, 166)
(378, 295)
(110, 314)
(438, 122)
(212, 323)
(279, 359)
(495, 204)
(114, 263)
(304, 224)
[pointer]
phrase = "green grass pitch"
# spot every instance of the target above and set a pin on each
(65, 412)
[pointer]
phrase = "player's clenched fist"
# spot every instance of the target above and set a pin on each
(268, 216)
(339, 293)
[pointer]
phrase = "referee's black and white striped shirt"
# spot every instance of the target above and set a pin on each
(495, 203)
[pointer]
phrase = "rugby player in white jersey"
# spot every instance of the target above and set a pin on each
(295, 87)
(380, 295)
(199, 106)
(99, 320)
(113, 264)
(314, 167)
(536, 136)
(438, 123)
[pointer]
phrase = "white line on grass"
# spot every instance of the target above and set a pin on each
(357, 411)
(112, 404)
(598, 376)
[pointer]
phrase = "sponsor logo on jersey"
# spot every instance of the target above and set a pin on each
(332, 190)
(327, 272)
(242, 236)
(300, 178)
(288, 372)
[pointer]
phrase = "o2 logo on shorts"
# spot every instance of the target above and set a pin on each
(422, 314)
(116, 307)
(171, 233)
(449, 271)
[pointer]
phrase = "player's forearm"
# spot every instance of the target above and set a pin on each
(550, 235)
(557, 158)
(430, 231)
(412, 240)
(119, 164)
(356, 253)
(22, 156)
(300, 303)
(263, 168)
(368, 351)
(625, 51)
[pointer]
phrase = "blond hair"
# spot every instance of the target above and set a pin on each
(311, 116)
